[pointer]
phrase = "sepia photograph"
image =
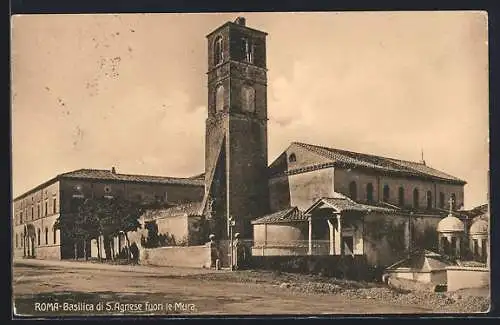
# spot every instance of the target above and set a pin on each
(270, 163)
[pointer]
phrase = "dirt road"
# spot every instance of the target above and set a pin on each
(75, 289)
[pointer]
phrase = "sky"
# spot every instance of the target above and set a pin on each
(129, 90)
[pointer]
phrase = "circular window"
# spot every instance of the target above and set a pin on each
(78, 188)
(107, 189)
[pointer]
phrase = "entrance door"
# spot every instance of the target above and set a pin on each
(348, 242)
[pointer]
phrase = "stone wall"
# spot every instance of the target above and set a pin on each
(189, 256)
(385, 239)
(276, 234)
(432, 277)
(300, 190)
(460, 277)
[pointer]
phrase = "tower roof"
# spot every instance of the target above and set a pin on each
(479, 227)
(237, 24)
(450, 224)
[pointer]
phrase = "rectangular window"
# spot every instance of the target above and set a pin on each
(38, 211)
(21, 216)
(46, 208)
(54, 206)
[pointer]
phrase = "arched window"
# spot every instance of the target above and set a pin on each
(38, 235)
(441, 200)
(453, 201)
(429, 200)
(17, 240)
(401, 196)
(386, 193)
(353, 191)
(54, 233)
(247, 99)
(369, 192)
(46, 235)
(415, 198)
(218, 51)
(292, 158)
(219, 98)
(247, 50)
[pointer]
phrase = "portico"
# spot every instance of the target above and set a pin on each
(331, 226)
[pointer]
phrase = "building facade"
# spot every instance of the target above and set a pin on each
(36, 211)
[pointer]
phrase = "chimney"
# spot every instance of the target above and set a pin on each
(113, 170)
(240, 21)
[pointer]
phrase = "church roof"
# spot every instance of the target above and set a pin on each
(292, 214)
(350, 159)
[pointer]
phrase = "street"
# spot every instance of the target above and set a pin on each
(45, 288)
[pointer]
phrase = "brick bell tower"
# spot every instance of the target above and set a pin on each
(236, 128)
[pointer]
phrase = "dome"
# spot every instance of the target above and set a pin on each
(479, 227)
(450, 224)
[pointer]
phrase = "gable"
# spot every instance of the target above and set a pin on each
(296, 157)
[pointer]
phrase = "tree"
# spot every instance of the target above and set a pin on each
(80, 226)
(100, 217)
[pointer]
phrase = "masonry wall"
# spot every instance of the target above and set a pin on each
(247, 171)
(177, 227)
(424, 232)
(189, 256)
(467, 277)
(301, 190)
(343, 178)
(288, 234)
(385, 239)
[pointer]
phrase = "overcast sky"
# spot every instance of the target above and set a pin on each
(96, 91)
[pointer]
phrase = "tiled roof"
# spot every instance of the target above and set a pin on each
(198, 176)
(190, 208)
(354, 159)
(288, 215)
(346, 204)
(102, 174)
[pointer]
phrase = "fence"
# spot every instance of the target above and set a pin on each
(291, 247)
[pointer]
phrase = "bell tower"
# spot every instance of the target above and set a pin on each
(236, 127)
